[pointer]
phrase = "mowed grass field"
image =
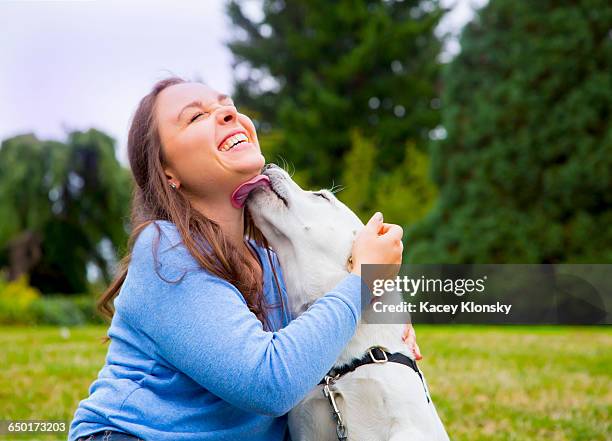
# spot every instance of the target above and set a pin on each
(488, 383)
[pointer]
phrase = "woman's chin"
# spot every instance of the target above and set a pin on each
(249, 164)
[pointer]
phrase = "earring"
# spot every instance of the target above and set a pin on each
(173, 185)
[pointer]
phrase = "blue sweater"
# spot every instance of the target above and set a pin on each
(189, 361)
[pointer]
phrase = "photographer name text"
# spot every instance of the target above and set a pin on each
(424, 307)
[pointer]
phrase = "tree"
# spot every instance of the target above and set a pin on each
(404, 195)
(525, 172)
(317, 69)
(63, 206)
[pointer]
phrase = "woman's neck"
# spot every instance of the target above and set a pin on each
(230, 219)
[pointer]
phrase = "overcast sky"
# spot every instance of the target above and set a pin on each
(69, 65)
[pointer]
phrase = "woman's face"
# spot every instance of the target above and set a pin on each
(194, 123)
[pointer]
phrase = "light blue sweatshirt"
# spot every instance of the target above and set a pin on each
(189, 361)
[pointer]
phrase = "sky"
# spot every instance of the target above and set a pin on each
(77, 64)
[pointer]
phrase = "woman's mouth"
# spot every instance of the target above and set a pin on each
(232, 141)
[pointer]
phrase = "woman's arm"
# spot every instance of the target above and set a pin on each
(202, 327)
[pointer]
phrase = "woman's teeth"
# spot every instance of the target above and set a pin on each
(232, 141)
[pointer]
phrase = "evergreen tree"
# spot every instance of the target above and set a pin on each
(317, 69)
(525, 173)
(63, 206)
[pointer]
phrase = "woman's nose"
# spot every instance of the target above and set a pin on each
(226, 115)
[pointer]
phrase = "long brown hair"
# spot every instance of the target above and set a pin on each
(153, 199)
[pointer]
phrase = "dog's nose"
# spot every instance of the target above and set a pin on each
(269, 166)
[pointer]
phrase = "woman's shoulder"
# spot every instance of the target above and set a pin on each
(161, 264)
(160, 244)
(158, 231)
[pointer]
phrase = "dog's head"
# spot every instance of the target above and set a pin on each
(312, 233)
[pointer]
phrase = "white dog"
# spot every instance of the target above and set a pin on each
(312, 234)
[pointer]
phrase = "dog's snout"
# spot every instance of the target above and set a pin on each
(269, 166)
(273, 171)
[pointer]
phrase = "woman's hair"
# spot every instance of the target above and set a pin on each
(154, 199)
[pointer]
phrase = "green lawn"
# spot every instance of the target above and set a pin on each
(489, 383)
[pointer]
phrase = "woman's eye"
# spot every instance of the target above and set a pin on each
(196, 116)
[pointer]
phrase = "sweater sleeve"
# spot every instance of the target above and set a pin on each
(203, 327)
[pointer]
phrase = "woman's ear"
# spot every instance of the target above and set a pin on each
(349, 264)
(172, 180)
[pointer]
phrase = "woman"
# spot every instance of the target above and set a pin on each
(201, 345)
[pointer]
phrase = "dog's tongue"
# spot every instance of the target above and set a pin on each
(240, 195)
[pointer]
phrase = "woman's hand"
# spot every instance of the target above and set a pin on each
(409, 338)
(377, 243)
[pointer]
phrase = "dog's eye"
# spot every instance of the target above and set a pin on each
(323, 195)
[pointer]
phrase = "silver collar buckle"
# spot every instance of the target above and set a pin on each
(378, 360)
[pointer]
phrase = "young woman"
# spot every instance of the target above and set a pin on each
(201, 346)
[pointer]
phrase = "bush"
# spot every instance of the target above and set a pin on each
(87, 306)
(403, 193)
(22, 304)
(16, 299)
(65, 310)
(57, 311)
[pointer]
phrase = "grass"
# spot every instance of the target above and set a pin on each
(488, 383)
(520, 383)
(46, 371)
